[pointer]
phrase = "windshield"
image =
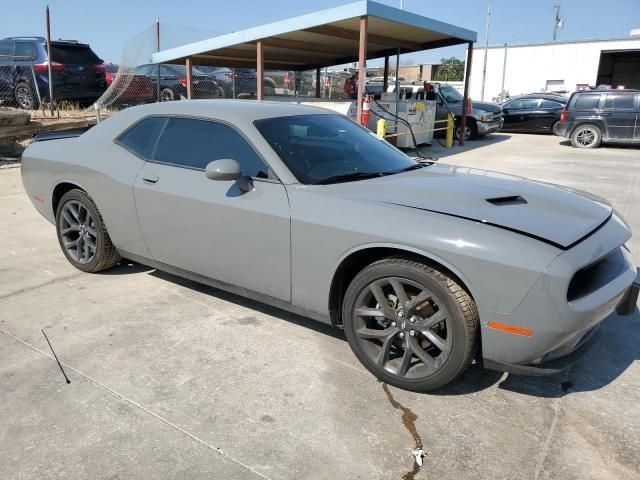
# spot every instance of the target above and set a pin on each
(450, 94)
(321, 148)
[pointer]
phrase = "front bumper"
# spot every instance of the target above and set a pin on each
(485, 128)
(559, 326)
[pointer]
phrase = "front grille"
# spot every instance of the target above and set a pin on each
(592, 277)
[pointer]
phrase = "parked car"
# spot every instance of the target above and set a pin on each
(482, 117)
(425, 266)
(596, 116)
(245, 81)
(132, 88)
(535, 113)
(78, 73)
(173, 82)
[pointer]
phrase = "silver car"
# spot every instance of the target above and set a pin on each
(426, 267)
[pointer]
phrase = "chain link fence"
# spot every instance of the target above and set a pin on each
(22, 87)
(134, 81)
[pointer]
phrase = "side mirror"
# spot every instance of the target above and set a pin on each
(228, 169)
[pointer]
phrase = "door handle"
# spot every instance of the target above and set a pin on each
(606, 114)
(150, 179)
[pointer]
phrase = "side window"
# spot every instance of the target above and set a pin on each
(550, 105)
(6, 50)
(26, 49)
(587, 101)
(167, 72)
(530, 103)
(514, 105)
(142, 138)
(619, 101)
(194, 143)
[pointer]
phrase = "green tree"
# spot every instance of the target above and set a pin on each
(450, 69)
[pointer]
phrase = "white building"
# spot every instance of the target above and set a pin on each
(557, 66)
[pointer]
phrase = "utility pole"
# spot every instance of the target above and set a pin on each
(558, 22)
(486, 49)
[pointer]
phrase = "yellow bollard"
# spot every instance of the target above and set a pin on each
(382, 128)
(450, 124)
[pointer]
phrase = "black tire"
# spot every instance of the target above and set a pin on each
(24, 96)
(554, 128)
(586, 136)
(167, 95)
(471, 130)
(105, 254)
(451, 302)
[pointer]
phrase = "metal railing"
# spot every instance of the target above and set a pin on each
(381, 129)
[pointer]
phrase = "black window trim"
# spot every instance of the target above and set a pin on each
(118, 138)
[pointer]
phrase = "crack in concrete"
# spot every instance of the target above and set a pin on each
(40, 285)
(409, 421)
(96, 383)
(544, 452)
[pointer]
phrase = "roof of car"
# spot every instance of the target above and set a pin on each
(230, 109)
(545, 96)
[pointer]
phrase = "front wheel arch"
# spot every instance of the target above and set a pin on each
(353, 262)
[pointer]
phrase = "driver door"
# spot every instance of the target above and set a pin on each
(211, 227)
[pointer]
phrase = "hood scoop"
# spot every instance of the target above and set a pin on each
(510, 200)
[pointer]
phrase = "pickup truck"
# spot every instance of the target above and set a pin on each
(484, 117)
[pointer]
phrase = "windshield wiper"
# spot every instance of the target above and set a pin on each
(413, 167)
(345, 177)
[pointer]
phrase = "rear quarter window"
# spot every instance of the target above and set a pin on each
(587, 101)
(143, 137)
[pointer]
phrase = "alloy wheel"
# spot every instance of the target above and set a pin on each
(402, 327)
(78, 232)
(585, 137)
(24, 97)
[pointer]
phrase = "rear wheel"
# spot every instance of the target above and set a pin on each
(82, 234)
(410, 325)
(586, 136)
(24, 96)
(167, 95)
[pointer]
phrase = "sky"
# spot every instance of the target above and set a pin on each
(108, 25)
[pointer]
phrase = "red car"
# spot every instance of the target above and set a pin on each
(134, 88)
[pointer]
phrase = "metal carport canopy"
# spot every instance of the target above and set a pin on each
(322, 39)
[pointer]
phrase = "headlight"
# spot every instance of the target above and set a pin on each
(486, 118)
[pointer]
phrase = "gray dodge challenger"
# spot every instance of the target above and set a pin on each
(426, 267)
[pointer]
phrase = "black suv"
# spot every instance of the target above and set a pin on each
(78, 73)
(596, 116)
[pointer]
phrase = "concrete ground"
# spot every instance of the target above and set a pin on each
(170, 379)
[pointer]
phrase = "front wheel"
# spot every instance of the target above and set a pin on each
(586, 136)
(470, 130)
(167, 95)
(410, 325)
(82, 234)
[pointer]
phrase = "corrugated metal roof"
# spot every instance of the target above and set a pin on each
(323, 38)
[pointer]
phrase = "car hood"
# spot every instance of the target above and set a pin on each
(550, 213)
(486, 106)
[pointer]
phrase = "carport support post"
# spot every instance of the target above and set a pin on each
(259, 69)
(385, 75)
(362, 63)
(189, 67)
(318, 82)
(465, 100)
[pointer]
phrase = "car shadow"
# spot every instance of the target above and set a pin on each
(611, 356)
(438, 151)
(606, 146)
(251, 304)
